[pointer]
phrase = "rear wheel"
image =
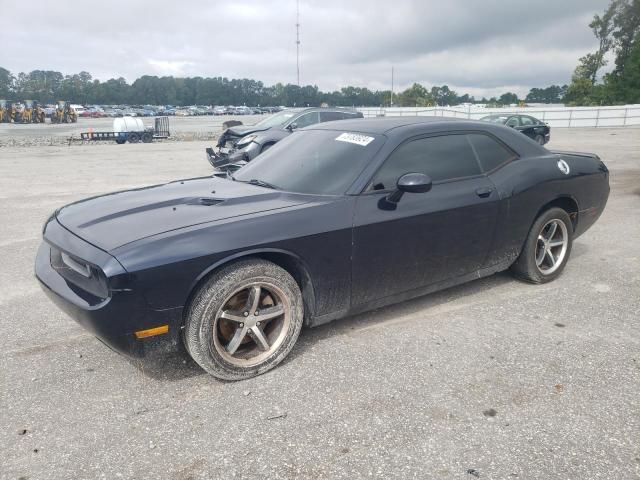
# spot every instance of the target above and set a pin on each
(244, 320)
(547, 248)
(147, 137)
(133, 138)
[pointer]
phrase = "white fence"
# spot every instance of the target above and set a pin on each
(619, 116)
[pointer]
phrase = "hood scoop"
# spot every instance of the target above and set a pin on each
(206, 201)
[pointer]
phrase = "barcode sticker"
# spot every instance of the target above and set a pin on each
(361, 140)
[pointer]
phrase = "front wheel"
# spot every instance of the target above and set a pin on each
(539, 139)
(244, 320)
(547, 248)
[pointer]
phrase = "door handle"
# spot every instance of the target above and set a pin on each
(484, 192)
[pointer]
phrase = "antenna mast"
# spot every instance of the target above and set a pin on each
(298, 40)
(391, 102)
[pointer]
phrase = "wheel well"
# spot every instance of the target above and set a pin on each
(568, 204)
(288, 262)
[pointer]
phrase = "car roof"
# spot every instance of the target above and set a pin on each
(321, 109)
(384, 125)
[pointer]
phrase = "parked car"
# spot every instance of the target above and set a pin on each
(241, 144)
(243, 111)
(336, 219)
(530, 126)
(219, 110)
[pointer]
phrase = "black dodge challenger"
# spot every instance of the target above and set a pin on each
(336, 219)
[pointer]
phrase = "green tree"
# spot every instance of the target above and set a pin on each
(414, 96)
(508, 98)
(7, 83)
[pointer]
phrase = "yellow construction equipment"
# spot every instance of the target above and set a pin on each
(64, 113)
(38, 113)
(32, 113)
(27, 112)
(4, 112)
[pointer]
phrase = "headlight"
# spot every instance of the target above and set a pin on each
(244, 141)
(85, 276)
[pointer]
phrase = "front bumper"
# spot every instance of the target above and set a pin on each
(115, 319)
(232, 159)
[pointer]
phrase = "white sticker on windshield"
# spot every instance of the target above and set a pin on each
(362, 140)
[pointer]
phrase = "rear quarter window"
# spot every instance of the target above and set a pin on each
(490, 152)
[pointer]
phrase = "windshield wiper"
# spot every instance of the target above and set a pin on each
(262, 183)
(254, 181)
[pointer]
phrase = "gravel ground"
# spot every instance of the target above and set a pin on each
(494, 379)
(46, 134)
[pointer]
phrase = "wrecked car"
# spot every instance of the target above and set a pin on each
(240, 144)
(352, 216)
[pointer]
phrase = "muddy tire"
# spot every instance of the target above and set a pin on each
(547, 248)
(244, 320)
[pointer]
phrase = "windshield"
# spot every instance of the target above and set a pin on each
(495, 118)
(277, 119)
(324, 162)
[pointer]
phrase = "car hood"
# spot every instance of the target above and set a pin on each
(112, 220)
(242, 130)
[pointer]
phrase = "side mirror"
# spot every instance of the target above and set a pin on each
(292, 126)
(410, 183)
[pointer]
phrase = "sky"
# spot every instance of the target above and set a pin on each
(483, 48)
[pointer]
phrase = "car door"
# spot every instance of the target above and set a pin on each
(428, 237)
(527, 126)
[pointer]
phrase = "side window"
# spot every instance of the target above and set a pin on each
(307, 119)
(442, 158)
(329, 116)
(513, 122)
(490, 152)
(526, 121)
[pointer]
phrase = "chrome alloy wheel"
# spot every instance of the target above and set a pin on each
(252, 324)
(551, 246)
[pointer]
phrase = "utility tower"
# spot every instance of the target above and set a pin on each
(298, 40)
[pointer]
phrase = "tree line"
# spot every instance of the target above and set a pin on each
(46, 86)
(616, 29)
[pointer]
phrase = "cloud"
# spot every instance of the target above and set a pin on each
(168, 68)
(476, 47)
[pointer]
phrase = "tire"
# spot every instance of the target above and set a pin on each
(215, 335)
(547, 248)
(133, 138)
(120, 141)
(539, 139)
(147, 137)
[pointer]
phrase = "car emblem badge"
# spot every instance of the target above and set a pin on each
(563, 166)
